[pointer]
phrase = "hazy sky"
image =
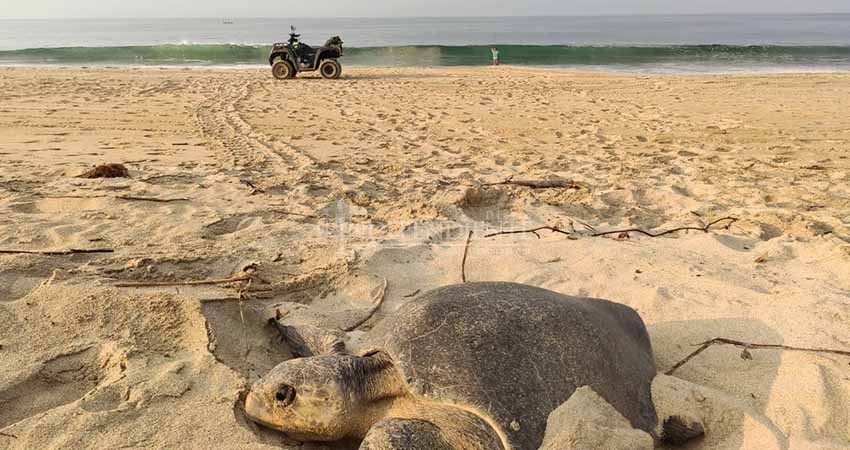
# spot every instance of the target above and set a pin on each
(382, 8)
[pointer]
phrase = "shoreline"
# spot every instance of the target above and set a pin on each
(602, 70)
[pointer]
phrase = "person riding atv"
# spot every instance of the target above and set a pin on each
(293, 56)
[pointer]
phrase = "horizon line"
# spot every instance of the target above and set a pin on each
(542, 15)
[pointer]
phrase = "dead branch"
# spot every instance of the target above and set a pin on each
(8, 435)
(151, 199)
(750, 346)
(465, 253)
(73, 251)
(704, 229)
(532, 231)
(379, 302)
(538, 184)
(184, 283)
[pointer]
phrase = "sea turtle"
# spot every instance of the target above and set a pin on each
(477, 366)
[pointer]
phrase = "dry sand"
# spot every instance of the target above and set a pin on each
(378, 177)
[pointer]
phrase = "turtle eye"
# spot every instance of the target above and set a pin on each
(285, 395)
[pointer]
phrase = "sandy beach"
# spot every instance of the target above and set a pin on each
(333, 196)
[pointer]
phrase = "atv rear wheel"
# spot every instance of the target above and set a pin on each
(283, 70)
(330, 69)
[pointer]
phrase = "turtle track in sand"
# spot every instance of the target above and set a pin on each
(219, 119)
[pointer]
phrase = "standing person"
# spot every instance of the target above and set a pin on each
(496, 58)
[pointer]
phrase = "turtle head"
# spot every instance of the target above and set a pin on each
(324, 398)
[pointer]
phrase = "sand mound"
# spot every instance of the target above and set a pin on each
(587, 421)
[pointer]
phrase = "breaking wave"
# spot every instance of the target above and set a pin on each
(532, 55)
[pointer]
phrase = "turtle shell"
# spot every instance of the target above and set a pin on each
(517, 352)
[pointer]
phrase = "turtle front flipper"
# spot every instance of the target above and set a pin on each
(678, 432)
(405, 434)
(305, 341)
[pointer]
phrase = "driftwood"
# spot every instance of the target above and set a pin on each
(465, 253)
(379, 301)
(184, 283)
(73, 251)
(538, 184)
(750, 346)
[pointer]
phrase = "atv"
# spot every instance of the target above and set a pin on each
(289, 58)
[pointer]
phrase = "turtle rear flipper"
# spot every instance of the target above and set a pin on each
(678, 432)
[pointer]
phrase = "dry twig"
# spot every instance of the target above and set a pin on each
(535, 231)
(379, 301)
(465, 253)
(704, 229)
(8, 435)
(289, 213)
(748, 346)
(185, 283)
(73, 251)
(532, 231)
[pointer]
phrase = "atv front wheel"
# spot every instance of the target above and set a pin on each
(283, 70)
(330, 69)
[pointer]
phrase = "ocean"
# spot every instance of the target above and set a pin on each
(652, 44)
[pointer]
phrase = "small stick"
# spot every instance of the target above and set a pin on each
(380, 301)
(72, 251)
(532, 231)
(184, 283)
(704, 229)
(747, 346)
(535, 184)
(413, 294)
(243, 295)
(125, 197)
(8, 435)
(287, 213)
(465, 253)
(254, 188)
(151, 199)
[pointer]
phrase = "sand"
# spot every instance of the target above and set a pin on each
(379, 177)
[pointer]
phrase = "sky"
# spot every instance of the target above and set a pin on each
(400, 8)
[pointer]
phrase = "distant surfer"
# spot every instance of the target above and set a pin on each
(496, 57)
